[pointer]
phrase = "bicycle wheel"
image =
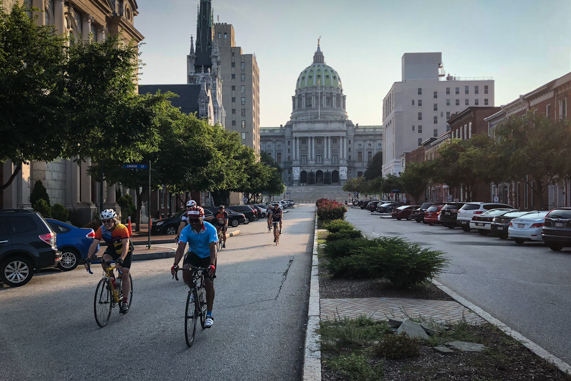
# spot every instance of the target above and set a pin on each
(219, 241)
(202, 307)
(102, 303)
(190, 317)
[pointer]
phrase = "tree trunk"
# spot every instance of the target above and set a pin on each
(17, 170)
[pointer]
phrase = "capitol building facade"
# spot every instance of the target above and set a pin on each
(319, 144)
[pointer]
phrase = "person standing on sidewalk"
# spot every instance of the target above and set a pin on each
(202, 238)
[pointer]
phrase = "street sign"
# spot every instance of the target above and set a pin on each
(135, 166)
(287, 192)
(396, 190)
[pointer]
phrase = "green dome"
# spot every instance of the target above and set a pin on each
(318, 74)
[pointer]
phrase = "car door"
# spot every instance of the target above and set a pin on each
(5, 240)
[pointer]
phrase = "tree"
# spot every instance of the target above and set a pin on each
(392, 183)
(416, 178)
(374, 167)
(32, 107)
(39, 193)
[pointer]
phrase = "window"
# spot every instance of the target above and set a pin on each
(349, 149)
(243, 100)
(360, 174)
(419, 142)
(243, 89)
(447, 102)
(419, 116)
(279, 157)
(233, 76)
(435, 119)
(349, 157)
(447, 127)
(457, 90)
(319, 159)
(243, 65)
(21, 224)
(457, 102)
(476, 89)
(548, 110)
(413, 102)
(436, 107)
(466, 89)
(562, 108)
(233, 99)
(233, 64)
(335, 140)
(288, 150)
(243, 77)
(335, 159)
(233, 122)
(420, 129)
(435, 94)
(436, 132)
(243, 136)
(225, 35)
(448, 91)
(419, 91)
(466, 102)
(243, 112)
(288, 143)
(486, 89)
(360, 156)
(412, 128)
(233, 88)
(303, 159)
(447, 114)
(476, 102)
(243, 123)
(219, 35)
(369, 155)
(419, 102)
(485, 102)
(234, 111)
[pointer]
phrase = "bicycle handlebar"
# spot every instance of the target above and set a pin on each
(106, 262)
(203, 269)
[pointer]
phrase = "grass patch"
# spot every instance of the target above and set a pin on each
(351, 333)
(357, 367)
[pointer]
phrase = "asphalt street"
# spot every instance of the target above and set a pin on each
(526, 287)
(48, 330)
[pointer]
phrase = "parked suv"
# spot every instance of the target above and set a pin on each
(449, 213)
(470, 209)
(251, 214)
(27, 244)
(556, 231)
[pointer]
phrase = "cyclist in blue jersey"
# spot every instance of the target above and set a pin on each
(202, 238)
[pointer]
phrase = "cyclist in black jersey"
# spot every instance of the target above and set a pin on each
(277, 216)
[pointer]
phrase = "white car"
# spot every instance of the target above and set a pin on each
(470, 209)
(483, 222)
(527, 228)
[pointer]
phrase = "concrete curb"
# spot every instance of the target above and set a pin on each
(312, 352)
(157, 255)
(544, 354)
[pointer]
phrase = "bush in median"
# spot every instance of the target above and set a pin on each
(345, 247)
(336, 225)
(344, 234)
(331, 210)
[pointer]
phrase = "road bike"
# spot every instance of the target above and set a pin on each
(220, 237)
(107, 294)
(195, 303)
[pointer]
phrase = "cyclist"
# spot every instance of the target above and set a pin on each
(222, 223)
(184, 219)
(269, 217)
(276, 217)
(119, 249)
(202, 239)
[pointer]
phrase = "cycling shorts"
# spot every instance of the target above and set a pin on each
(192, 259)
(126, 262)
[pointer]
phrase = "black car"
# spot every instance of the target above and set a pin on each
(363, 203)
(234, 218)
(251, 214)
(418, 215)
(259, 212)
(500, 224)
(448, 214)
(556, 231)
(372, 206)
(387, 206)
(27, 245)
(169, 226)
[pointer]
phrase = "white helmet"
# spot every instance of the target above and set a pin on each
(190, 203)
(108, 214)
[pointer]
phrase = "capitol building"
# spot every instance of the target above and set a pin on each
(319, 144)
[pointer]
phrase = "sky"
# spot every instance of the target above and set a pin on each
(520, 44)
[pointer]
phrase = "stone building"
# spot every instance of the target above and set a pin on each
(66, 182)
(319, 144)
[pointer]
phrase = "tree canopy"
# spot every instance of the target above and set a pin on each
(374, 167)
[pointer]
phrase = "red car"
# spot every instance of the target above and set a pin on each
(404, 211)
(432, 213)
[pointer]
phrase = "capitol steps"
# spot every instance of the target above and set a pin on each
(311, 193)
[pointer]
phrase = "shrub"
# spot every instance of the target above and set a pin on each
(39, 193)
(43, 208)
(336, 225)
(59, 212)
(127, 208)
(320, 200)
(397, 347)
(357, 367)
(344, 234)
(345, 247)
(331, 210)
(347, 267)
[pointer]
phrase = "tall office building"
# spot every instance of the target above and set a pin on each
(418, 107)
(241, 87)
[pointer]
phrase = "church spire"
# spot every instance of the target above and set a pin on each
(191, 44)
(204, 33)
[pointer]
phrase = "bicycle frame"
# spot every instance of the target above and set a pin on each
(107, 275)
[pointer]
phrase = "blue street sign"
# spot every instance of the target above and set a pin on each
(135, 166)
(396, 190)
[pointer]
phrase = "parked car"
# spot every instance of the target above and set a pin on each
(363, 203)
(471, 209)
(556, 231)
(263, 210)
(372, 206)
(500, 224)
(432, 213)
(246, 210)
(387, 206)
(483, 222)
(449, 213)
(72, 242)
(418, 215)
(403, 211)
(257, 209)
(234, 218)
(169, 226)
(527, 227)
(27, 245)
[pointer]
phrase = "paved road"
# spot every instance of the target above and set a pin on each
(526, 287)
(48, 332)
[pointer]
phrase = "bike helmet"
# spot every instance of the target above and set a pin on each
(221, 207)
(190, 203)
(195, 211)
(108, 214)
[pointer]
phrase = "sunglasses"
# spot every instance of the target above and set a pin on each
(193, 221)
(106, 221)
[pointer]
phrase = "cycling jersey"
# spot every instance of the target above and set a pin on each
(199, 243)
(221, 218)
(277, 215)
(114, 238)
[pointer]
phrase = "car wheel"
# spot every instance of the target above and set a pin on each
(234, 223)
(519, 241)
(408, 218)
(503, 236)
(246, 221)
(398, 218)
(16, 271)
(555, 247)
(417, 221)
(69, 259)
(466, 228)
(171, 230)
(483, 232)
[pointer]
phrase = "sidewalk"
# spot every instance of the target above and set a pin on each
(142, 238)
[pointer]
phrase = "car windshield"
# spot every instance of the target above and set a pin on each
(496, 212)
(426, 205)
(402, 207)
(533, 215)
(515, 214)
(386, 204)
(471, 206)
(561, 213)
(452, 206)
(433, 209)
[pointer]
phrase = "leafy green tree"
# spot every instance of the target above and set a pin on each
(392, 182)
(416, 178)
(374, 167)
(33, 108)
(43, 208)
(39, 192)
